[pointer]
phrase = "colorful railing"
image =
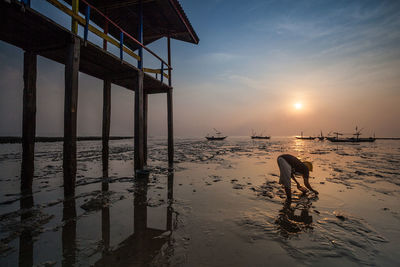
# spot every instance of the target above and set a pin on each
(85, 22)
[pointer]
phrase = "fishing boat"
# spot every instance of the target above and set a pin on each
(355, 139)
(217, 136)
(321, 137)
(261, 136)
(305, 137)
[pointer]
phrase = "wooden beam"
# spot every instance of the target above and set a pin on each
(170, 111)
(49, 48)
(28, 120)
(122, 76)
(106, 114)
(139, 121)
(70, 115)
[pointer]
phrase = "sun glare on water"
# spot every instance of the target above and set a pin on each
(298, 105)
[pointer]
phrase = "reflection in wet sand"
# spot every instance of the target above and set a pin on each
(69, 216)
(105, 210)
(140, 248)
(69, 248)
(170, 209)
(26, 239)
(290, 223)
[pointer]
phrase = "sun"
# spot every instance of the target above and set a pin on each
(298, 105)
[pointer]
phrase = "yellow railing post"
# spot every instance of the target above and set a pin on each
(75, 10)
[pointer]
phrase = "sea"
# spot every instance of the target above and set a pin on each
(221, 205)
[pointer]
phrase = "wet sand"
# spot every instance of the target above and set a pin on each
(222, 206)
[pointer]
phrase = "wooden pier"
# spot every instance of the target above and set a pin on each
(128, 25)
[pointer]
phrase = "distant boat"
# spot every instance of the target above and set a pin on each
(305, 137)
(218, 136)
(261, 136)
(321, 137)
(351, 139)
(355, 139)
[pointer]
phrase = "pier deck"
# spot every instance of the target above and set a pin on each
(32, 31)
(119, 23)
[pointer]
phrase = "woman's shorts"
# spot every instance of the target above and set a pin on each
(286, 172)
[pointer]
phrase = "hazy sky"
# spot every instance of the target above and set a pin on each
(254, 62)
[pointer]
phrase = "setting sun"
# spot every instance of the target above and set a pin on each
(298, 105)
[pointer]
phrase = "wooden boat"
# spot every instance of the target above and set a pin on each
(305, 137)
(218, 136)
(351, 139)
(260, 137)
(255, 136)
(321, 137)
(355, 139)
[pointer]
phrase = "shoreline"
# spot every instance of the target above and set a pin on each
(46, 139)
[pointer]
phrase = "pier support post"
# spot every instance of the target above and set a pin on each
(28, 120)
(139, 101)
(139, 123)
(170, 111)
(106, 115)
(170, 196)
(170, 129)
(145, 116)
(70, 114)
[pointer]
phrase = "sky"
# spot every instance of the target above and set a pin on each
(339, 61)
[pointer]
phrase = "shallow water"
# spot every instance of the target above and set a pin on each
(222, 206)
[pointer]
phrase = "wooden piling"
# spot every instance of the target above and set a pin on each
(106, 111)
(139, 121)
(145, 117)
(170, 111)
(106, 115)
(70, 114)
(104, 183)
(170, 196)
(28, 120)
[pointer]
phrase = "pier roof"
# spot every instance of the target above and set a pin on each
(160, 19)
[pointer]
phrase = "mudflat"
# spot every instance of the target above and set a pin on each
(221, 206)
